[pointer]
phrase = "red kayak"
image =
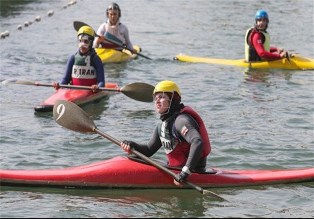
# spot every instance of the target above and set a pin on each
(78, 96)
(123, 172)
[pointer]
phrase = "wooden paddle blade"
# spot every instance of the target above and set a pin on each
(71, 116)
(139, 91)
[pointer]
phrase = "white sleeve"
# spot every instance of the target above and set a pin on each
(101, 30)
(126, 37)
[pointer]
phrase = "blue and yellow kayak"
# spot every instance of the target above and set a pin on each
(296, 62)
(114, 55)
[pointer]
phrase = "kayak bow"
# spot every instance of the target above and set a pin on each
(115, 56)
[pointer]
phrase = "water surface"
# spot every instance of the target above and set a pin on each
(260, 120)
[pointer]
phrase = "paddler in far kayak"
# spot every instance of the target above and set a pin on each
(257, 41)
(181, 133)
(84, 67)
(115, 28)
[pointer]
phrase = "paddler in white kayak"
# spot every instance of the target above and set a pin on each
(181, 132)
(257, 41)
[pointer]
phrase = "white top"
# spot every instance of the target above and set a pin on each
(120, 31)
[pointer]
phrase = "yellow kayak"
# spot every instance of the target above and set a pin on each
(297, 62)
(113, 55)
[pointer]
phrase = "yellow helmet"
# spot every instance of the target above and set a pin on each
(86, 30)
(167, 86)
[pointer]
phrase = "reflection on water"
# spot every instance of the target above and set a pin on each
(131, 201)
(13, 7)
(263, 75)
(162, 203)
(115, 70)
(96, 109)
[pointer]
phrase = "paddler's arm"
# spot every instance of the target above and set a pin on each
(97, 42)
(100, 71)
(259, 47)
(67, 77)
(128, 43)
(101, 42)
(100, 36)
(147, 149)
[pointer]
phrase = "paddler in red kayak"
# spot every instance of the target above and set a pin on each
(257, 41)
(84, 68)
(181, 133)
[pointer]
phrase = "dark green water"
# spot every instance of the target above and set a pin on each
(261, 121)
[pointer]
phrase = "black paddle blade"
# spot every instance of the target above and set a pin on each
(139, 91)
(78, 24)
(71, 116)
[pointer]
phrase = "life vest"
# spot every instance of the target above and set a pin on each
(116, 30)
(176, 148)
(250, 52)
(83, 71)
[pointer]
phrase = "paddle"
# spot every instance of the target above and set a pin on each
(71, 116)
(110, 38)
(138, 91)
(288, 57)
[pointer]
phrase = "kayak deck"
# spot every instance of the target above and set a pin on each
(296, 62)
(115, 56)
(122, 172)
(78, 96)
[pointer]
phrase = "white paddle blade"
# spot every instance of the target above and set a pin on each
(15, 81)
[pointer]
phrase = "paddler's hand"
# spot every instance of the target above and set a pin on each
(94, 87)
(127, 145)
(98, 41)
(56, 85)
(182, 176)
(284, 54)
(133, 51)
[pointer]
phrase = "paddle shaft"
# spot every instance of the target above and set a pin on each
(114, 40)
(288, 57)
(70, 86)
(138, 91)
(162, 168)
